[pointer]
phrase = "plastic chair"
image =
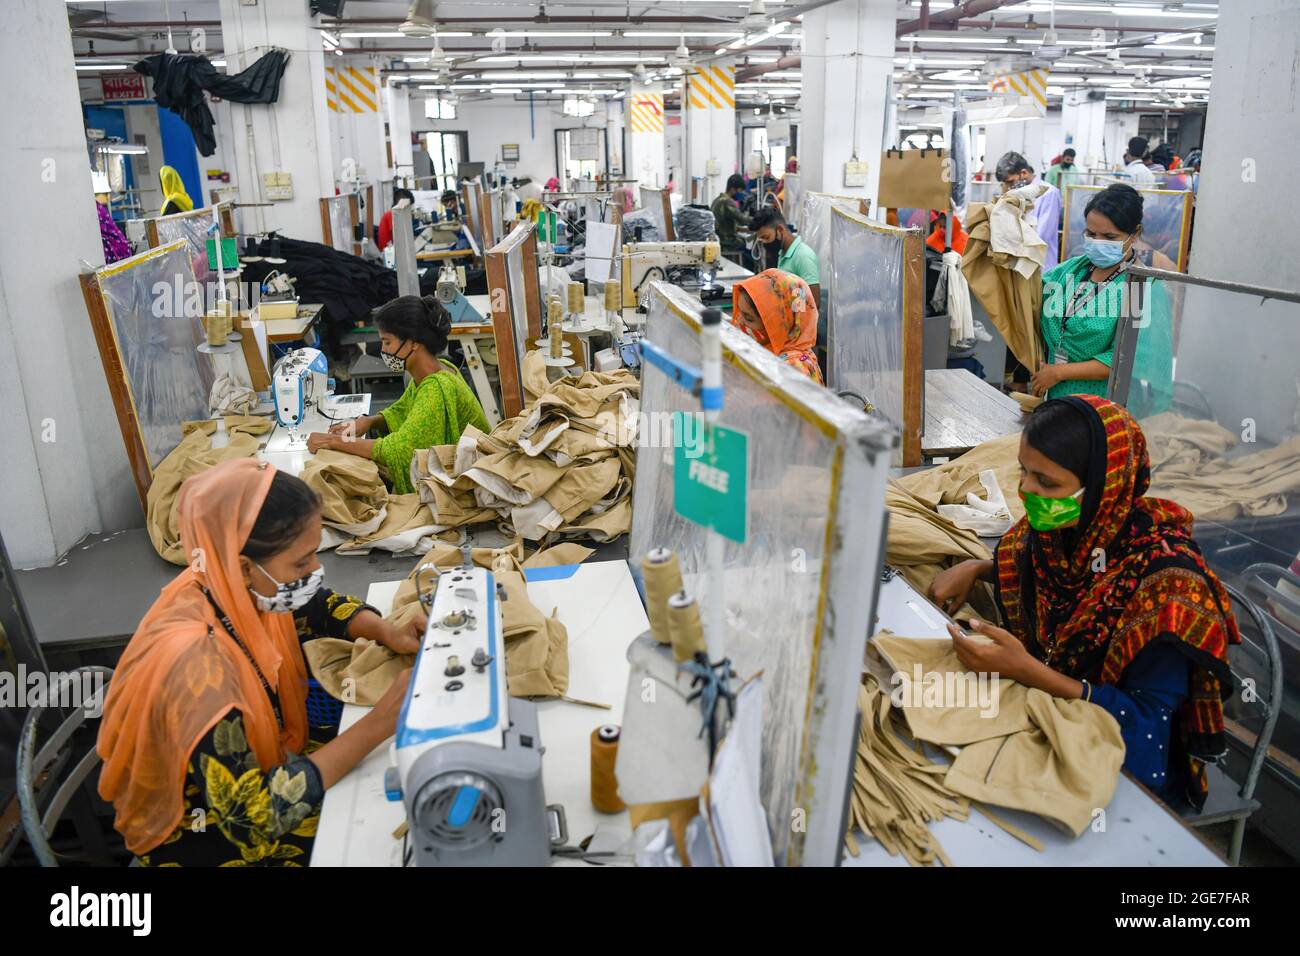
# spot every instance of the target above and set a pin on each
(39, 771)
(1226, 799)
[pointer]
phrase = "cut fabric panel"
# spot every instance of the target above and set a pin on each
(353, 496)
(1012, 301)
(355, 672)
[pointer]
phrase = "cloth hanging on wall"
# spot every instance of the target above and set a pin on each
(179, 80)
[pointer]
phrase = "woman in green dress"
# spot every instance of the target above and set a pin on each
(436, 406)
(1084, 299)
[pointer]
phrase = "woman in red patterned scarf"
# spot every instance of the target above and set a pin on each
(777, 310)
(1107, 596)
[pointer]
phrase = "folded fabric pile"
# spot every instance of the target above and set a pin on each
(353, 497)
(235, 425)
(1020, 748)
(563, 468)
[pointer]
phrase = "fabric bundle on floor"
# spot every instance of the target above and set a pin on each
(562, 468)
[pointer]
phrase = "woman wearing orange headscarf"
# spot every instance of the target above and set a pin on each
(205, 732)
(778, 311)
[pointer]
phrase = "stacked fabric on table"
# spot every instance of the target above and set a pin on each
(1020, 748)
(537, 645)
(562, 468)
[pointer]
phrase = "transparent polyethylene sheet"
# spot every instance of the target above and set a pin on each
(1161, 243)
(815, 228)
(475, 213)
(652, 204)
(169, 378)
(982, 190)
(792, 203)
(518, 301)
(194, 230)
(499, 216)
(865, 330)
(774, 582)
(340, 223)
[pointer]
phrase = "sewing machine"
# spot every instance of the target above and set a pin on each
(300, 382)
(643, 261)
(468, 756)
(451, 293)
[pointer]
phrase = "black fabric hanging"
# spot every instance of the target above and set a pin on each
(179, 80)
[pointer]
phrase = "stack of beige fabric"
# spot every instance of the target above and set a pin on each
(562, 468)
(1020, 748)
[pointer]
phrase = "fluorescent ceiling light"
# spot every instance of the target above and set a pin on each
(569, 58)
(555, 33)
(218, 62)
(926, 61)
(762, 59)
(988, 40)
(433, 86)
(1189, 49)
(366, 35)
(96, 67)
(731, 34)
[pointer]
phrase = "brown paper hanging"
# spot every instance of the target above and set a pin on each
(914, 179)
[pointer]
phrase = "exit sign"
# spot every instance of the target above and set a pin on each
(128, 86)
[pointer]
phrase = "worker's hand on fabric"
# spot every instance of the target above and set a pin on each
(1005, 655)
(405, 639)
(1044, 379)
(388, 707)
(952, 586)
(318, 440)
(352, 427)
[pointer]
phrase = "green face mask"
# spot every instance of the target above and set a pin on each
(1048, 514)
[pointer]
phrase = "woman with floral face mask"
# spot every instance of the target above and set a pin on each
(435, 408)
(1106, 597)
(1084, 299)
(206, 717)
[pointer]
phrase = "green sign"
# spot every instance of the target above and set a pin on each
(229, 254)
(711, 475)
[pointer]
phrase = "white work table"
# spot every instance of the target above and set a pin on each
(599, 606)
(1140, 831)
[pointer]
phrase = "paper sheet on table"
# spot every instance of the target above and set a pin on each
(602, 243)
(737, 814)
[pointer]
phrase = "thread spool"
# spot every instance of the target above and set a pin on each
(662, 575)
(613, 296)
(685, 625)
(604, 785)
(217, 326)
(577, 298)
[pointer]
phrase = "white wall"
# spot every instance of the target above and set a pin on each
(1120, 128)
(53, 492)
(490, 123)
(1038, 140)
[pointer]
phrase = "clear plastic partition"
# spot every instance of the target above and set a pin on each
(982, 190)
(652, 204)
(474, 213)
(816, 466)
(1166, 217)
(815, 228)
(792, 199)
(868, 310)
(498, 201)
(192, 227)
(157, 332)
(914, 219)
(340, 215)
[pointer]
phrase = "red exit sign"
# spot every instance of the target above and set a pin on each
(127, 86)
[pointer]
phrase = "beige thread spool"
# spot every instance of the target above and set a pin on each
(613, 296)
(662, 575)
(555, 326)
(685, 625)
(577, 298)
(604, 784)
(217, 326)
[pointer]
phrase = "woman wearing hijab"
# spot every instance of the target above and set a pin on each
(175, 198)
(205, 736)
(1105, 596)
(777, 310)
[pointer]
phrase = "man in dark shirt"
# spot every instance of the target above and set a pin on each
(727, 216)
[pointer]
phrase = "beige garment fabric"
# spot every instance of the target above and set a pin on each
(952, 481)
(1012, 234)
(1021, 748)
(1013, 302)
(408, 527)
(537, 657)
(192, 456)
(353, 496)
(235, 425)
(561, 469)
(355, 672)
(1027, 402)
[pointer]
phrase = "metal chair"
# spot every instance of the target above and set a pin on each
(1226, 799)
(39, 771)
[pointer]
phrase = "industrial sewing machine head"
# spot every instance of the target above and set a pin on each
(451, 293)
(643, 261)
(300, 381)
(468, 757)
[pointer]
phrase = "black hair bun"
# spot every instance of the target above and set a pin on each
(439, 317)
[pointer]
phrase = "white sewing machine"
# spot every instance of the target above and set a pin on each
(643, 261)
(467, 755)
(300, 381)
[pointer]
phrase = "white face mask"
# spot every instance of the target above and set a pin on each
(395, 362)
(289, 596)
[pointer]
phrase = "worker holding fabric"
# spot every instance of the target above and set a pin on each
(1083, 301)
(436, 406)
(210, 758)
(1105, 596)
(777, 310)
(175, 198)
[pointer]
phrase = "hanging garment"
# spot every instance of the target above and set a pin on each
(1013, 232)
(1012, 301)
(961, 324)
(353, 496)
(180, 79)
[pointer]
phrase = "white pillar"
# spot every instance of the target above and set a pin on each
(709, 117)
(291, 135)
(65, 470)
(846, 45)
(397, 102)
(1084, 123)
(645, 123)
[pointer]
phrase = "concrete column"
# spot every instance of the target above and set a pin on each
(397, 104)
(848, 46)
(291, 135)
(142, 120)
(709, 117)
(1084, 124)
(65, 470)
(645, 122)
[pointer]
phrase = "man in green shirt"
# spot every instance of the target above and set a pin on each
(794, 256)
(727, 215)
(1063, 173)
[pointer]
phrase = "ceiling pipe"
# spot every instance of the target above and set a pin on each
(968, 9)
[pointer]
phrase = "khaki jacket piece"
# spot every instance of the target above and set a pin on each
(1012, 301)
(353, 496)
(355, 672)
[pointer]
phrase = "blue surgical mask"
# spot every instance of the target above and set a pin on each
(1103, 253)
